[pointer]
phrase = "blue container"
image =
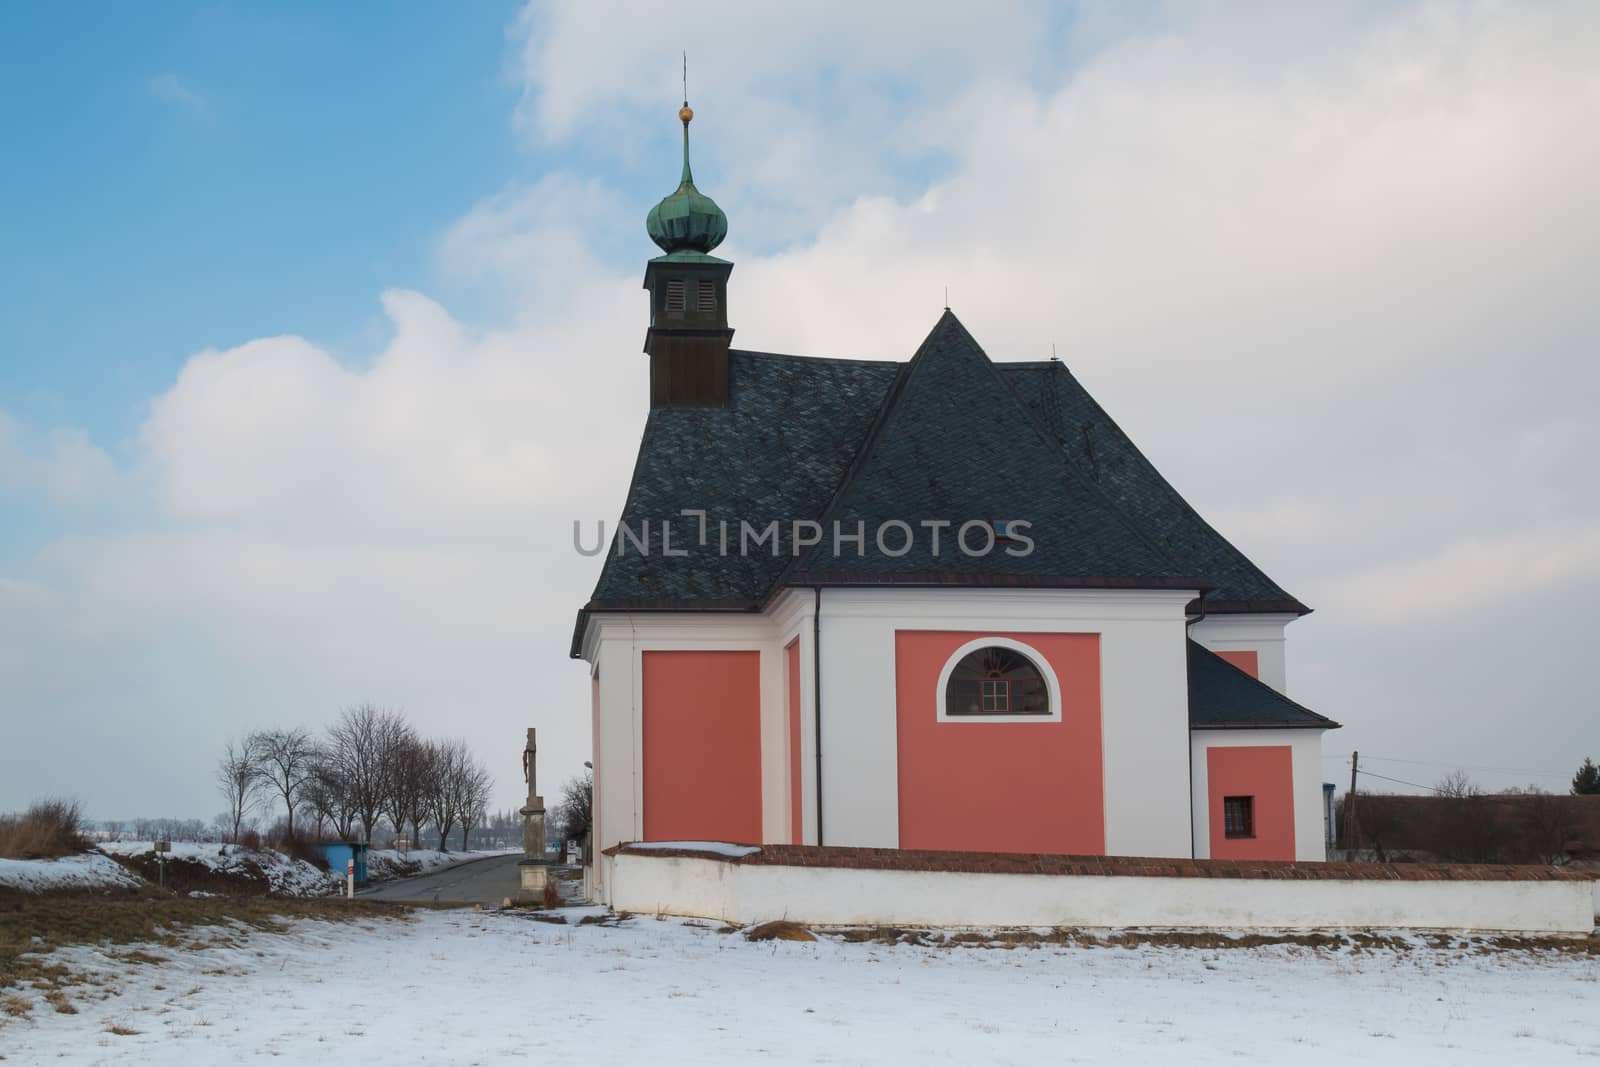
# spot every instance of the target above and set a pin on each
(340, 853)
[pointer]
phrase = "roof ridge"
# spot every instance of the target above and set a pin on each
(949, 320)
(891, 397)
(814, 359)
(1240, 675)
(891, 400)
(1072, 465)
(1183, 501)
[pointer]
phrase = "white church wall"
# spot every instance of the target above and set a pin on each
(1143, 685)
(1144, 702)
(1262, 634)
(616, 643)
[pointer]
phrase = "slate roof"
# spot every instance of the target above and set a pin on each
(949, 435)
(1098, 447)
(1223, 697)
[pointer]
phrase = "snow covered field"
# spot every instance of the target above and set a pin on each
(88, 871)
(465, 987)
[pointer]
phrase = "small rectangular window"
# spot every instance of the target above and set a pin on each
(676, 297)
(1238, 816)
(705, 296)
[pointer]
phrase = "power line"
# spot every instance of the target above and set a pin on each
(1399, 781)
(1457, 766)
(1465, 767)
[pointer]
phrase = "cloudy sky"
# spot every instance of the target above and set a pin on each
(319, 327)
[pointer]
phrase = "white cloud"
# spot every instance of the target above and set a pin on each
(62, 463)
(1328, 271)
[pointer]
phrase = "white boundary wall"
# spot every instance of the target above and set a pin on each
(836, 896)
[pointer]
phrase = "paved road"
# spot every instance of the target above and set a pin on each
(484, 881)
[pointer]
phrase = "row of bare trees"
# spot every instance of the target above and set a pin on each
(369, 768)
(1462, 823)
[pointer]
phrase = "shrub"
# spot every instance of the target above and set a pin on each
(48, 829)
(552, 896)
(302, 847)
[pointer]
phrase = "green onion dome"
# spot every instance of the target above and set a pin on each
(687, 220)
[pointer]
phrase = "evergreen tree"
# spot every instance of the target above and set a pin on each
(1587, 781)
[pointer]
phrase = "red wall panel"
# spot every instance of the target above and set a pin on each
(1245, 659)
(1265, 773)
(702, 746)
(1000, 786)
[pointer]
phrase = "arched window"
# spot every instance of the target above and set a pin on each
(995, 680)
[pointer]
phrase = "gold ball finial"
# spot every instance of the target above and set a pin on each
(685, 113)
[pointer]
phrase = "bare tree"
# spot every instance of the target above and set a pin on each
(471, 785)
(445, 762)
(406, 800)
(1468, 831)
(287, 758)
(575, 813)
(1548, 825)
(326, 798)
(239, 779)
(1457, 784)
(362, 748)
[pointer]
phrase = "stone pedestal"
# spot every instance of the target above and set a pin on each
(533, 876)
(533, 870)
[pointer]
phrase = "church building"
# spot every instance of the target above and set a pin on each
(943, 603)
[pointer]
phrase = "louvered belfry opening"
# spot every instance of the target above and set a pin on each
(689, 334)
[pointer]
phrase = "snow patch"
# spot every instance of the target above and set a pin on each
(642, 991)
(720, 848)
(285, 875)
(91, 870)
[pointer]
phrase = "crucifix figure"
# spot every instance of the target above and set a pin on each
(530, 753)
(533, 810)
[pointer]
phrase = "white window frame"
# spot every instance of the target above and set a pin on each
(1037, 658)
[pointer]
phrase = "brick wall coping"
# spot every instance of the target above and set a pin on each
(895, 859)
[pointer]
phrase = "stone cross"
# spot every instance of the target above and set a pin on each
(533, 811)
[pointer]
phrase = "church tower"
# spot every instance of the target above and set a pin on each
(688, 338)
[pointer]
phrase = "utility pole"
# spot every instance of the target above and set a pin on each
(1350, 805)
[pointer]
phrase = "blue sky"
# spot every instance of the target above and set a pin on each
(200, 174)
(320, 324)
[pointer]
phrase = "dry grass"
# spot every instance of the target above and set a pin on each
(47, 830)
(1353, 940)
(33, 926)
(123, 1031)
(15, 1006)
(779, 930)
(58, 1000)
(551, 896)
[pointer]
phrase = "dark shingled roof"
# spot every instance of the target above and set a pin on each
(949, 435)
(778, 451)
(1223, 697)
(1099, 448)
(953, 444)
